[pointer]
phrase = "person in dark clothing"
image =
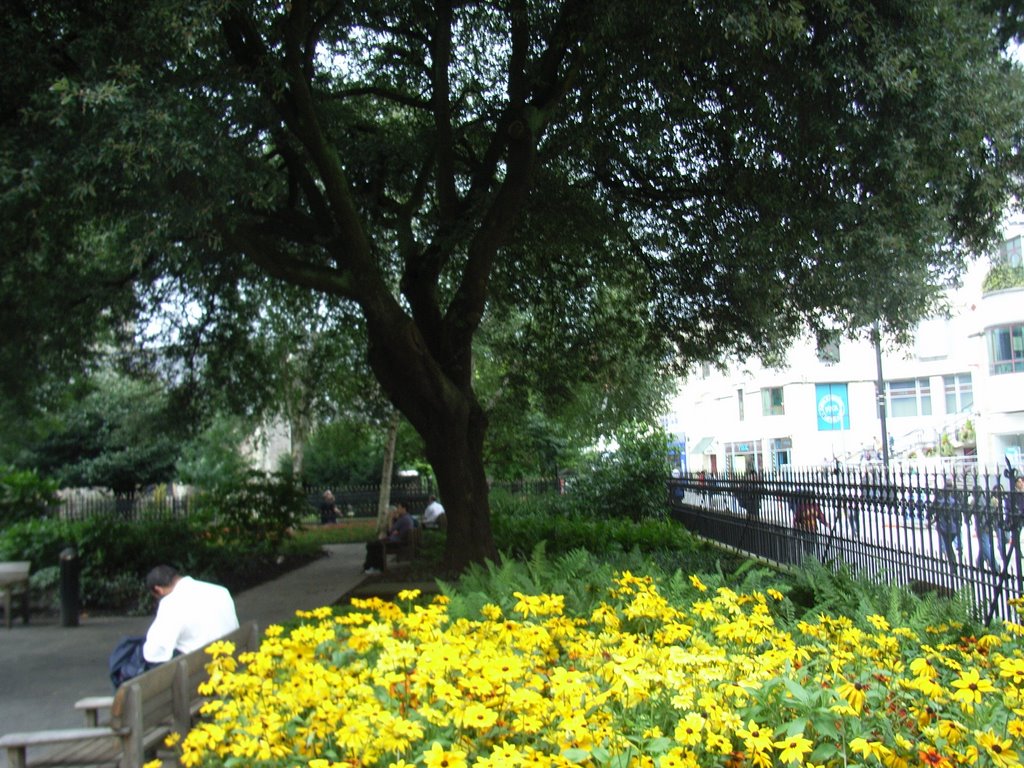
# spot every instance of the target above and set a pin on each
(398, 535)
(947, 517)
(328, 509)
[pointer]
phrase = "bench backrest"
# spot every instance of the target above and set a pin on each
(165, 693)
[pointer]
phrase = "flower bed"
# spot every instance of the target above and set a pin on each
(638, 682)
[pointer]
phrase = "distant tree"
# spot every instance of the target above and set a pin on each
(214, 456)
(741, 171)
(122, 434)
(351, 452)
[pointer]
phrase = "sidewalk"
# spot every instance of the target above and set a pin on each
(45, 667)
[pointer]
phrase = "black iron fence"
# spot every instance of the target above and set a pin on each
(946, 531)
(139, 507)
(351, 500)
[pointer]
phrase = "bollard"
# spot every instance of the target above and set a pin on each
(69, 588)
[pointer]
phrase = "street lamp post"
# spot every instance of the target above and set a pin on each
(876, 337)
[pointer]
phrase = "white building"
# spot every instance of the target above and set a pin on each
(957, 394)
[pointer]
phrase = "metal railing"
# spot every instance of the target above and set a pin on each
(944, 531)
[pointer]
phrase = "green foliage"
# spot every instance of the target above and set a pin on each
(157, 163)
(628, 482)
(520, 523)
(1003, 277)
(214, 457)
(114, 556)
(120, 433)
(815, 588)
(23, 494)
(349, 452)
(255, 512)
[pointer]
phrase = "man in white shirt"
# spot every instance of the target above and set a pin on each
(433, 515)
(190, 614)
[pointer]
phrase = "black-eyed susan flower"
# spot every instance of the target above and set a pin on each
(1000, 750)
(971, 687)
(440, 757)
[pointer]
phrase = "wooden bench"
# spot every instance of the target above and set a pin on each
(405, 550)
(14, 576)
(143, 711)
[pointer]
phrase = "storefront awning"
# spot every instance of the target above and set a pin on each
(704, 446)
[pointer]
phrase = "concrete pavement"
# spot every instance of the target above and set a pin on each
(46, 667)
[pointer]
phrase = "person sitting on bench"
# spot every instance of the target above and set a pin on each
(189, 614)
(398, 535)
(433, 515)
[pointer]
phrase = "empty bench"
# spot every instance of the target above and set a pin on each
(143, 711)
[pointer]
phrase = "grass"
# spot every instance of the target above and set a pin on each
(345, 532)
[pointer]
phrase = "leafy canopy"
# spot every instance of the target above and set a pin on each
(693, 180)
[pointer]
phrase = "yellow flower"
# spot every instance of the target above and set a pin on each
(794, 748)
(491, 612)
(1013, 670)
(923, 667)
(688, 731)
(854, 693)
(477, 716)
(756, 738)
(1000, 750)
(970, 687)
(878, 622)
(698, 584)
(439, 757)
(866, 748)
(951, 731)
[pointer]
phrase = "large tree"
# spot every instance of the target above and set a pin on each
(739, 171)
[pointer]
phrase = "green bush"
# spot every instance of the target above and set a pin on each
(627, 483)
(114, 556)
(519, 523)
(257, 511)
(24, 495)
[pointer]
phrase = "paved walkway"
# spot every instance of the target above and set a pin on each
(46, 667)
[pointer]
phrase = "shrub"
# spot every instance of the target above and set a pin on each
(24, 495)
(258, 510)
(519, 523)
(115, 554)
(629, 482)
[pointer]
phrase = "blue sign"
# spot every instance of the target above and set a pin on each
(833, 406)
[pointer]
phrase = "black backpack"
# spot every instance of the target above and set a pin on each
(127, 661)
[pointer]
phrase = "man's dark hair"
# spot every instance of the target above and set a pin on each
(161, 576)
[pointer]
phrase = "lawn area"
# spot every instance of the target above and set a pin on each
(345, 531)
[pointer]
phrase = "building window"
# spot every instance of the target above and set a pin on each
(959, 392)
(909, 397)
(828, 353)
(739, 400)
(1010, 252)
(772, 402)
(1006, 349)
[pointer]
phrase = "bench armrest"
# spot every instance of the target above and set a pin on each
(91, 705)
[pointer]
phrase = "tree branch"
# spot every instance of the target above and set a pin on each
(441, 52)
(253, 242)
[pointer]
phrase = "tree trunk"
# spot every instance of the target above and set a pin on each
(384, 498)
(440, 404)
(455, 451)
